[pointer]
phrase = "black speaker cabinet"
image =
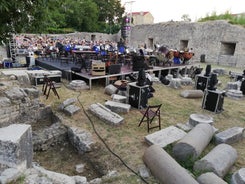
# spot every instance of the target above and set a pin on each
(213, 100)
(201, 82)
(138, 95)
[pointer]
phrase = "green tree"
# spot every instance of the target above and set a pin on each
(82, 15)
(55, 16)
(110, 15)
(16, 16)
(186, 18)
(47, 16)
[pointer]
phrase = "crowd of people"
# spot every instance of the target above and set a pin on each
(44, 44)
(65, 45)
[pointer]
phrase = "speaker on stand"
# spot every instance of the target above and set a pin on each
(138, 95)
(201, 82)
(213, 100)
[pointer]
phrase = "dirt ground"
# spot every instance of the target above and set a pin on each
(127, 140)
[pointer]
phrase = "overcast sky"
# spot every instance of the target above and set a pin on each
(163, 11)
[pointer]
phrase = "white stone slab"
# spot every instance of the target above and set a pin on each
(186, 127)
(14, 72)
(230, 135)
(105, 114)
(16, 146)
(117, 107)
(13, 132)
(165, 136)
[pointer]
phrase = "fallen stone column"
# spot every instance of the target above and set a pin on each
(210, 177)
(192, 94)
(195, 119)
(192, 145)
(238, 177)
(165, 168)
(219, 160)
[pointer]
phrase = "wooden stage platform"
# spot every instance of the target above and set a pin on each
(65, 68)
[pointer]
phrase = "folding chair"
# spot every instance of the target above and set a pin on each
(149, 115)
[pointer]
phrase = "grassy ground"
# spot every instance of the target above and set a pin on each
(127, 140)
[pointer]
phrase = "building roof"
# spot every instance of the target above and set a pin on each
(140, 13)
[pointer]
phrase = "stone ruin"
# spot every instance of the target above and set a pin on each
(187, 146)
(20, 105)
(189, 141)
(27, 126)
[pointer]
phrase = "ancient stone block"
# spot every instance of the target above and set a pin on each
(119, 98)
(71, 109)
(16, 146)
(106, 114)
(44, 138)
(117, 106)
(80, 139)
(165, 136)
(110, 89)
(192, 93)
(230, 135)
(67, 102)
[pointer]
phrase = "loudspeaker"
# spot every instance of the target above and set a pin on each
(115, 68)
(213, 100)
(213, 81)
(138, 95)
(138, 63)
(242, 88)
(201, 82)
(208, 71)
(141, 78)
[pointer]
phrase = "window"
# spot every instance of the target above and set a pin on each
(227, 48)
(93, 37)
(183, 44)
(150, 43)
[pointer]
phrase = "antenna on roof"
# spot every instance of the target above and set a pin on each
(130, 18)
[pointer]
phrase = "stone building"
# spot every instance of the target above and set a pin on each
(139, 18)
(220, 42)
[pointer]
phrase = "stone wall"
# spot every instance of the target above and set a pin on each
(18, 105)
(219, 41)
(96, 36)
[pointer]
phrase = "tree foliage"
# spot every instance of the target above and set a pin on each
(16, 16)
(48, 16)
(233, 19)
(186, 18)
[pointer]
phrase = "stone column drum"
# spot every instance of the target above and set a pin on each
(210, 178)
(219, 160)
(165, 168)
(192, 145)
